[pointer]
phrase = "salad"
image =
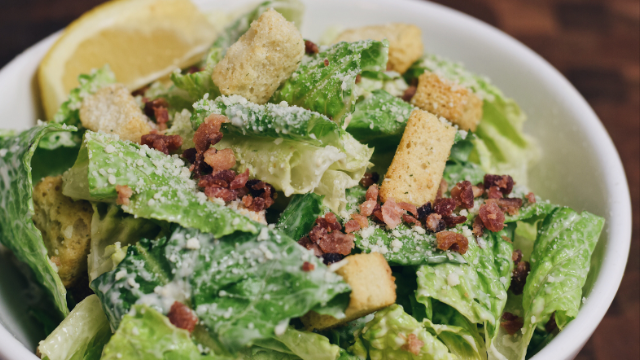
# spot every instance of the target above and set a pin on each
(353, 198)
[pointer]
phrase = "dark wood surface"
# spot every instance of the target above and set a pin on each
(594, 43)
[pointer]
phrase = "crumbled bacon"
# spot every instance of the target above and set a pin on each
(220, 178)
(478, 226)
(531, 198)
(377, 214)
(444, 206)
(519, 276)
(124, 194)
(247, 200)
(411, 220)
(351, 226)
(240, 180)
(408, 208)
(258, 204)
(162, 143)
(329, 222)
(516, 256)
(190, 155)
(442, 189)
(310, 47)
(372, 193)
(367, 207)
(413, 344)
(391, 213)
(492, 217)
(424, 211)
(504, 182)
(307, 266)
(158, 108)
(511, 323)
(409, 93)
(362, 220)
(494, 193)
(510, 205)
(358, 78)
(209, 132)
(478, 190)
(337, 242)
(326, 62)
(220, 160)
(308, 244)
(435, 223)
(449, 240)
(462, 194)
(182, 317)
(220, 192)
(452, 221)
(327, 236)
(369, 179)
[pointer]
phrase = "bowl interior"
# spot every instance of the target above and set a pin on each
(579, 167)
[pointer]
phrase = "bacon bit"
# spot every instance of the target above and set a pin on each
(162, 117)
(452, 221)
(442, 189)
(462, 194)
(411, 220)
(351, 226)
(182, 317)
(492, 217)
(307, 266)
(367, 207)
(516, 256)
(377, 214)
(190, 155)
(326, 62)
(444, 206)
(531, 198)
(329, 222)
(209, 132)
(551, 324)
(478, 190)
(224, 159)
(124, 194)
(358, 78)
(504, 182)
(372, 193)
(310, 47)
(494, 193)
(337, 242)
(435, 223)
(310, 245)
(217, 179)
(449, 240)
(409, 208)
(519, 276)
(247, 200)
(511, 323)
(413, 344)
(240, 180)
(362, 220)
(220, 192)
(151, 105)
(258, 204)
(409, 93)
(510, 205)
(391, 213)
(369, 179)
(424, 211)
(478, 226)
(162, 143)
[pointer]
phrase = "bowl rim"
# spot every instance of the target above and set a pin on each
(569, 341)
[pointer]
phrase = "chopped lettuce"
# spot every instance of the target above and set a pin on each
(161, 184)
(459, 334)
(326, 82)
(304, 345)
(300, 215)
(80, 336)
(17, 229)
(244, 287)
(182, 126)
(69, 111)
(386, 335)
(146, 334)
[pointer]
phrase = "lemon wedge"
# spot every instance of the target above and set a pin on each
(141, 40)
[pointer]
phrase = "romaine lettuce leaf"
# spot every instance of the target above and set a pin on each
(459, 334)
(80, 336)
(161, 184)
(300, 215)
(69, 111)
(384, 337)
(17, 229)
(325, 82)
(243, 287)
(146, 334)
(304, 345)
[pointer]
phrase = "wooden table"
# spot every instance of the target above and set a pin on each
(594, 43)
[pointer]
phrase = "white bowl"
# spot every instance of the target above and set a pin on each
(579, 167)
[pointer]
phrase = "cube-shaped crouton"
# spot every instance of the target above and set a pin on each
(264, 57)
(451, 101)
(405, 42)
(372, 288)
(416, 169)
(66, 228)
(113, 110)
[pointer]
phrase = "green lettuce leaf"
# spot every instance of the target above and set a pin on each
(384, 337)
(244, 287)
(19, 234)
(300, 215)
(80, 336)
(69, 111)
(304, 345)
(459, 334)
(326, 82)
(146, 334)
(161, 184)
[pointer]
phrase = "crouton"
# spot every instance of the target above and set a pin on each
(372, 288)
(113, 110)
(451, 101)
(416, 169)
(66, 228)
(264, 57)
(405, 42)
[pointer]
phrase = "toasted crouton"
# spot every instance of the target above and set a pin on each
(65, 226)
(405, 42)
(451, 101)
(113, 110)
(372, 288)
(416, 170)
(264, 57)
